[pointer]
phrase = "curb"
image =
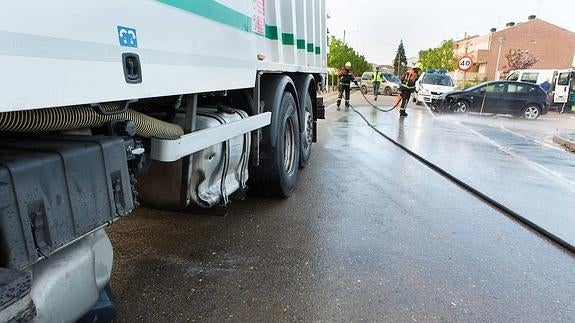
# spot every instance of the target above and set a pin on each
(565, 140)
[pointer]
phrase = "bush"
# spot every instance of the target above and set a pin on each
(468, 83)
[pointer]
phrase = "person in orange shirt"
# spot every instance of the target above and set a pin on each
(407, 87)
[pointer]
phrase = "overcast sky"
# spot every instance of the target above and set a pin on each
(375, 27)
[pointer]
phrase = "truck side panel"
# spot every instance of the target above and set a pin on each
(74, 54)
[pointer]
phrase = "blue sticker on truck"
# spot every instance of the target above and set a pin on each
(127, 37)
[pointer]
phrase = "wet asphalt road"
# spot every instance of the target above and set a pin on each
(370, 234)
(510, 160)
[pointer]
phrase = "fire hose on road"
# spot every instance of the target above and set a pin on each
(473, 191)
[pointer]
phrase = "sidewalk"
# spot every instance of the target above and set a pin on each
(553, 115)
(566, 139)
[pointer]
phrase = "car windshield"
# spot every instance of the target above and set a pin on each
(392, 78)
(437, 79)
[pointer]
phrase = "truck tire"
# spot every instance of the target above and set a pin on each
(307, 134)
(279, 161)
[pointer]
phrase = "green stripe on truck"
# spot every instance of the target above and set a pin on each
(216, 11)
(310, 48)
(287, 39)
(271, 32)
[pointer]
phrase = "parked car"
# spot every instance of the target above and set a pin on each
(389, 83)
(354, 85)
(521, 99)
(431, 84)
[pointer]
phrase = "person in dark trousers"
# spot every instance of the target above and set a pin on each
(408, 86)
(345, 78)
(376, 82)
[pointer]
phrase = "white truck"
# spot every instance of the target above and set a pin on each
(171, 103)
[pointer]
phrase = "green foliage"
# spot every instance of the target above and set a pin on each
(400, 61)
(441, 57)
(469, 83)
(340, 53)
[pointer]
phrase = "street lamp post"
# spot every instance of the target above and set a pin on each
(344, 32)
(501, 40)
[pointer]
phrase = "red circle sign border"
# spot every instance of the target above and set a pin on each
(459, 61)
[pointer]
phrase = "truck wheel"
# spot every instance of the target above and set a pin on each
(277, 173)
(387, 91)
(307, 135)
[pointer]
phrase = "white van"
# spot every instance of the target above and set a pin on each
(532, 76)
(559, 79)
(561, 86)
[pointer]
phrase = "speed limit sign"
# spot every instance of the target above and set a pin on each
(464, 63)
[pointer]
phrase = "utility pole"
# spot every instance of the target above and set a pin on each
(501, 40)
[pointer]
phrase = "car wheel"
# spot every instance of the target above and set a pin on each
(387, 90)
(363, 89)
(531, 112)
(461, 107)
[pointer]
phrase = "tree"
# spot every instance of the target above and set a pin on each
(441, 57)
(340, 53)
(400, 61)
(520, 59)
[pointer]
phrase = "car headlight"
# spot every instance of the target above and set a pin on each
(424, 91)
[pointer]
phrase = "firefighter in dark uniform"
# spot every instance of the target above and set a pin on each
(345, 78)
(408, 86)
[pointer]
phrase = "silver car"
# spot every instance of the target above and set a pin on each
(389, 83)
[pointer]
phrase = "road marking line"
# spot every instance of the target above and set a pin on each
(538, 167)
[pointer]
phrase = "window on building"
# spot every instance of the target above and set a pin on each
(529, 77)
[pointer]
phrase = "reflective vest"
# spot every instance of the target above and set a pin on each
(377, 77)
(408, 79)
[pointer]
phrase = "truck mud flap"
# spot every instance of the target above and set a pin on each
(320, 111)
